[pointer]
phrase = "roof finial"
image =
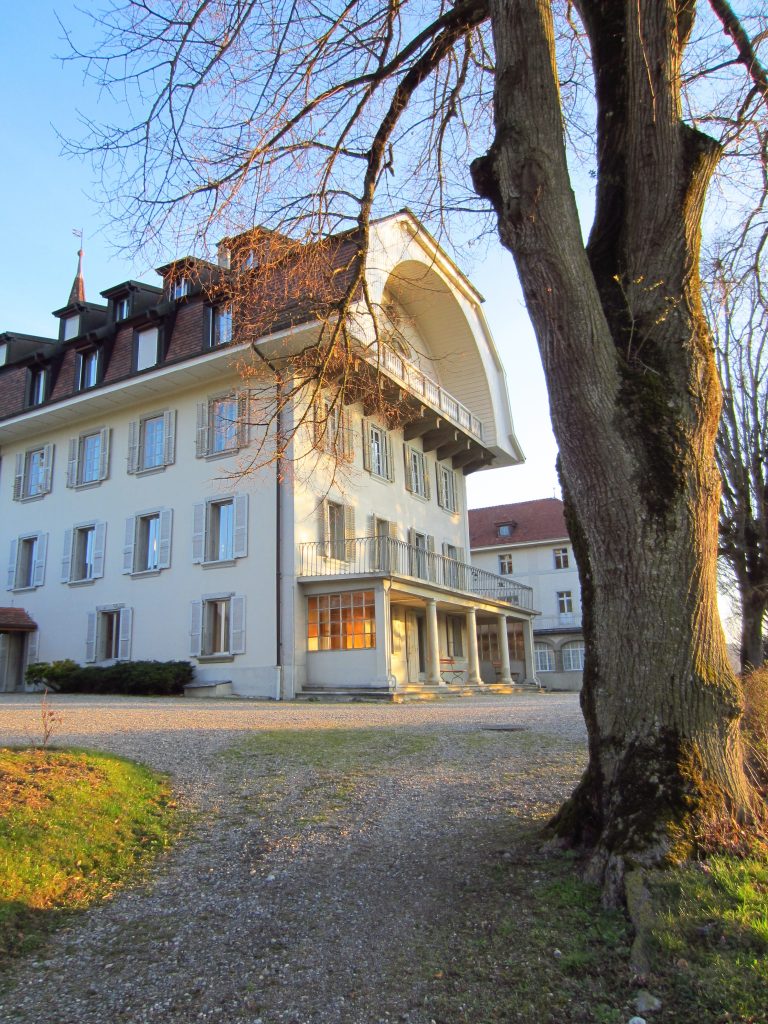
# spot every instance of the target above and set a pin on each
(77, 294)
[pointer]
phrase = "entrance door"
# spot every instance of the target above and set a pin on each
(415, 640)
(11, 661)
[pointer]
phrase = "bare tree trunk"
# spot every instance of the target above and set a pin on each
(635, 403)
(753, 609)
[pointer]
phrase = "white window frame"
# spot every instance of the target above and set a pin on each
(146, 348)
(76, 461)
(561, 558)
(38, 385)
(416, 474)
(573, 656)
(87, 369)
(544, 657)
(72, 551)
(332, 433)
(122, 308)
(506, 563)
(180, 288)
(203, 519)
(505, 529)
(337, 530)
(96, 634)
(35, 565)
(201, 644)
(421, 552)
(564, 602)
(209, 430)
(377, 451)
(138, 530)
(71, 328)
(447, 489)
(137, 443)
(27, 488)
(219, 326)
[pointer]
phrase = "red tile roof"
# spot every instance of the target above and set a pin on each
(531, 521)
(15, 620)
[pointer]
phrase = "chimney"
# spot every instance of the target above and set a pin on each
(224, 255)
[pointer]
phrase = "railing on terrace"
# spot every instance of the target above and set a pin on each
(441, 400)
(387, 556)
(565, 620)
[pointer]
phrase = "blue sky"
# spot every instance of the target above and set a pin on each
(44, 195)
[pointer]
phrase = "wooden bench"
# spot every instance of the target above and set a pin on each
(449, 672)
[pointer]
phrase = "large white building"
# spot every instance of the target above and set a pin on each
(129, 534)
(529, 541)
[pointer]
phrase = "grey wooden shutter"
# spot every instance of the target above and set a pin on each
(169, 437)
(371, 525)
(99, 546)
(441, 495)
(104, 436)
(32, 653)
(324, 522)
(240, 529)
(427, 481)
(349, 532)
(237, 625)
(390, 459)
(242, 419)
(431, 560)
(366, 446)
(318, 423)
(196, 629)
(164, 545)
(18, 479)
(66, 558)
(124, 635)
(408, 468)
(208, 321)
(201, 437)
(345, 422)
(90, 638)
(74, 446)
(133, 446)
(38, 569)
(47, 468)
(12, 559)
(198, 531)
(128, 546)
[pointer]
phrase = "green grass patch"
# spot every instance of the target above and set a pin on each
(74, 825)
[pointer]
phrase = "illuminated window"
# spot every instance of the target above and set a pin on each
(341, 622)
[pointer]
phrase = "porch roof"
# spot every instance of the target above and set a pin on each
(16, 620)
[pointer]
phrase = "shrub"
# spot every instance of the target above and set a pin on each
(139, 678)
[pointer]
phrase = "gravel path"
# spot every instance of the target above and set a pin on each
(306, 891)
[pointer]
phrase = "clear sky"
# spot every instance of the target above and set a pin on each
(46, 195)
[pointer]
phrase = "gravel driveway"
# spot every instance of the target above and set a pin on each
(304, 893)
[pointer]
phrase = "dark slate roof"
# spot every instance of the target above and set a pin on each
(16, 620)
(531, 521)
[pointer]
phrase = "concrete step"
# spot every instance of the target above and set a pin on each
(212, 688)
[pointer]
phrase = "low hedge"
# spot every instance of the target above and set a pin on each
(140, 678)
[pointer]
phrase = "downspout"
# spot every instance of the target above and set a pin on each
(278, 526)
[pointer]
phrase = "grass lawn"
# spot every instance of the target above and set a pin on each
(74, 825)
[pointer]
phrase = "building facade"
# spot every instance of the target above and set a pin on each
(135, 530)
(529, 541)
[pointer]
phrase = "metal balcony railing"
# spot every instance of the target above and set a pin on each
(565, 620)
(385, 556)
(385, 357)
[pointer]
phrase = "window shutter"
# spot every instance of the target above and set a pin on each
(461, 555)
(349, 532)
(394, 533)
(47, 468)
(441, 498)
(202, 430)
(366, 447)
(104, 435)
(208, 339)
(133, 446)
(99, 545)
(346, 436)
(431, 561)
(325, 526)
(90, 638)
(242, 419)
(124, 638)
(196, 629)
(411, 536)
(130, 540)
(32, 653)
(12, 557)
(318, 425)
(66, 558)
(38, 570)
(237, 625)
(18, 480)
(408, 469)
(390, 459)
(198, 532)
(240, 531)
(427, 481)
(169, 437)
(72, 462)
(164, 546)
(371, 525)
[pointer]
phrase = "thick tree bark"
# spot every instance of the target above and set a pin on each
(635, 402)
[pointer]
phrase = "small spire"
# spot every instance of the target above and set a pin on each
(77, 294)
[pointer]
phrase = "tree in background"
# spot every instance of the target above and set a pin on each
(302, 117)
(738, 314)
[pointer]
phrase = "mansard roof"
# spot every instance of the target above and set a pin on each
(530, 522)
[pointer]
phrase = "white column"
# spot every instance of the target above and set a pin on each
(501, 626)
(473, 659)
(530, 665)
(433, 648)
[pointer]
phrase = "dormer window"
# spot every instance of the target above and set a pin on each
(220, 326)
(87, 369)
(122, 308)
(147, 348)
(180, 288)
(37, 385)
(3, 353)
(71, 327)
(505, 529)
